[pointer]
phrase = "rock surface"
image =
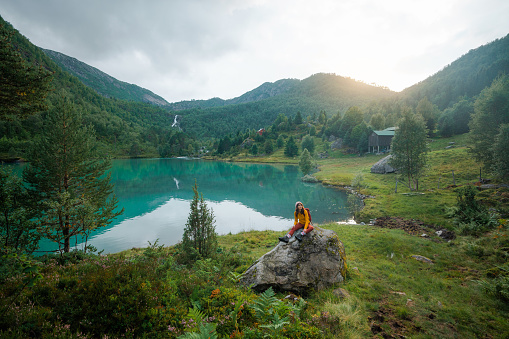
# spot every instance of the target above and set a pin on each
(382, 166)
(315, 263)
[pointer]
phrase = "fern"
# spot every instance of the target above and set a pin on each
(264, 305)
(205, 331)
(276, 325)
(197, 315)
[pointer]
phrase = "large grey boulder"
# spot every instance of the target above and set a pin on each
(317, 262)
(382, 166)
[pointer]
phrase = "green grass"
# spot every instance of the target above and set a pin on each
(148, 292)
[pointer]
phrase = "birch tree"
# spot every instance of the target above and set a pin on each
(409, 148)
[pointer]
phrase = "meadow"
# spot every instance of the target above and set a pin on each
(460, 292)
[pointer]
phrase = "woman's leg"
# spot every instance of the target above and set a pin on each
(310, 228)
(294, 228)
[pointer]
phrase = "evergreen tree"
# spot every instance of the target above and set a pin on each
(312, 131)
(17, 229)
(254, 149)
(280, 142)
(200, 238)
(491, 110)
(268, 147)
(291, 148)
(501, 165)
(298, 119)
(409, 148)
(23, 86)
(67, 184)
(377, 122)
(305, 162)
(309, 143)
(428, 112)
(454, 120)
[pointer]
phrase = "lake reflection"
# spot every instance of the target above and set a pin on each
(156, 195)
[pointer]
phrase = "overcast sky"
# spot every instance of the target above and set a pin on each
(187, 49)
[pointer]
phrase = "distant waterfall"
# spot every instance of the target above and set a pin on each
(175, 122)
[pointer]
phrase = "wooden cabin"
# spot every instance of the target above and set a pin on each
(380, 141)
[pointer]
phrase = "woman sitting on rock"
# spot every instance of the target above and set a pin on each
(302, 220)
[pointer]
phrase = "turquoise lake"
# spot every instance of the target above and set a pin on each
(156, 195)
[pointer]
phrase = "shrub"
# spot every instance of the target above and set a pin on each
(469, 216)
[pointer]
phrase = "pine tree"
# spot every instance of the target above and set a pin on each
(309, 143)
(291, 148)
(68, 185)
(305, 162)
(200, 238)
(17, 229)
(501, 156)
(409, 148)
(23, 86)
(491, 110)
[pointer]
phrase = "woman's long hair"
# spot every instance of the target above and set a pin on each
(297, 209)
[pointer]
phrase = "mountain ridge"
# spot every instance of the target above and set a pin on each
(103, 83)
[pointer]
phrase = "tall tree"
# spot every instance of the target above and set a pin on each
(501, 155)
(377, 122)
(17, 229)
(429, 112)
(491, 110)
(68, 184)
(409, 148)
(305, 162)
(23, 86)
(298, 118)
(199, 239)
(309, 143)
(291, 148)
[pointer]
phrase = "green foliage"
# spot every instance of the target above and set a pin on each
(409, 148)
(199, 239)
(468, 75)
(268, 147)
(377, 122)
(69, 189)
(500, 153)
(498, 287)
(291, 148)
(491, 113)
(454, 120)
(308, 142)
(429, 113)
(305, 163)
(471, 217)
(17, 228)
(24, 85)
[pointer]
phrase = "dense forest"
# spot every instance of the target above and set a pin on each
(126, 125)
(123, 128)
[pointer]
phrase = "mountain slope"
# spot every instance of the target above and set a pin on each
(103, 83)
(319, 92)
(466, 76)
(123, 128)
(262, 92)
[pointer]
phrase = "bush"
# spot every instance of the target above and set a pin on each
(498, 287)
(469, 216)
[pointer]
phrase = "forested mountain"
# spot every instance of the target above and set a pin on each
(123, 128)
(265, 91)
(127, 126)
(103, 83)
(467, 76)
(319, 92)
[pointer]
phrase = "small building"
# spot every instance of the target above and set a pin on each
(261, 131)
(380, 141)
